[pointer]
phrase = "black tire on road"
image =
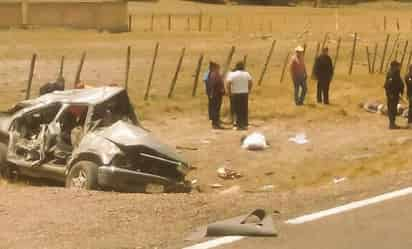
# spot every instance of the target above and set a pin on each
(83, 175)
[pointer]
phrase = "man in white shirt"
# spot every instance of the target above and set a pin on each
(239, 83)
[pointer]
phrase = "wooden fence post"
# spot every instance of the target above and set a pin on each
(268, 57)
(228, 61)
(385, 49)
(126, 81)
(392, 53)
(198, 68)
(397, 51)
(318, 44)
(375, 53)
(169, 25)
(130, 23)
(31, 73)
(188, 23)
(61, 70)
(152, 22)
(79, 70)
(317, 49)
(149, 83)
(398, 26)
(369, 60)
(337, 52)
(355, 40)
(200, 21)
(405, 48)
(304, 49)
(325, 40)
(175, 77)
(285, 63)
(409, 59)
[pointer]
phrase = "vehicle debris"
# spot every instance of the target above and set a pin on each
(89, 139)
(337, 180)
(267, 188)
(254, 141)
(258, 223)
(216, 185)
(178, 147)
(300, 138)
(226, 173)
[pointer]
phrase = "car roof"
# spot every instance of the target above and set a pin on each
(91, 96)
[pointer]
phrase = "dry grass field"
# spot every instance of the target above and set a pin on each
(345, 141)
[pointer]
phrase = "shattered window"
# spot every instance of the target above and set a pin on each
(115, 109)
(29, 125)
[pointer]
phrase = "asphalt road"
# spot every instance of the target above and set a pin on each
(385, 225)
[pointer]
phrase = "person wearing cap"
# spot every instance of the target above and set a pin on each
(394, 89)
(217, 91)
(239, 83)
(408, 82)
(323, 72)
(299, 75)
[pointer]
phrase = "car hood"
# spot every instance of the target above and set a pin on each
(126, 134)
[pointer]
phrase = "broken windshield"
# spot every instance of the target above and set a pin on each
(116, 108)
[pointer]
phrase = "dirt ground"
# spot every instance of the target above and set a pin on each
(345, 142)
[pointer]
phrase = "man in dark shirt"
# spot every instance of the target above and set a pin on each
(217, 90)
(323, 71)
(394, 89)
(408, 81)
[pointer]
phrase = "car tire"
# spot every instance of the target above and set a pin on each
(83, 175)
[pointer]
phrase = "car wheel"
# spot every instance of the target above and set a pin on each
(83, 175)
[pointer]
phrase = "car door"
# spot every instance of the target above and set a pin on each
(28, 135)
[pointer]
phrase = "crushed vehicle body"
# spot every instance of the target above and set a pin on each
(89, 139)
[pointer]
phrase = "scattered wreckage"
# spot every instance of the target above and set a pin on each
(89, 139)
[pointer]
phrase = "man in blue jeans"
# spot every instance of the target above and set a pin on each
(299, 75)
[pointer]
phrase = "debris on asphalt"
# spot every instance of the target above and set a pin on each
(337, 180)
(267, 188)
(186, 148)
(300, 138)
(226, 173)
(216, 185)
(254, 141)
(205, 141)
(258, 223)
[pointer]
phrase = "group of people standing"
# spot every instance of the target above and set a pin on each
(322, 71)
(238, 86)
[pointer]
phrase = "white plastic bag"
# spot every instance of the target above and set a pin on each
(300, 138)
(255, 141)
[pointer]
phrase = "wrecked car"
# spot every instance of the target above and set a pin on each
(87, 139)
